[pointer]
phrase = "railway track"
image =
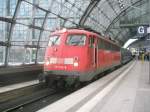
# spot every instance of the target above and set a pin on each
(28, 97)
(14, 99)
(41, 103)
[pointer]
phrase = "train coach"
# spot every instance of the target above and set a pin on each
(126, 56)
(78, 55)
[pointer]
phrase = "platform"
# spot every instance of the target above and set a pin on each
(17, 86)
(131, 95)
(17, 74)
(128, 92)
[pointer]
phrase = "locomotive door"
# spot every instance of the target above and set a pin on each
(94, 51)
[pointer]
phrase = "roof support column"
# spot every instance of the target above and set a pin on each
(41, 32)
(7, 27)
(11, 30)
(40, 35)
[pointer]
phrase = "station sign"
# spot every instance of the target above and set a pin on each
(141, 30)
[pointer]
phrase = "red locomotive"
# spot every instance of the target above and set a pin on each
(78, 55)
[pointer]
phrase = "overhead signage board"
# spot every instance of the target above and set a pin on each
(148, 29)
(148, 32)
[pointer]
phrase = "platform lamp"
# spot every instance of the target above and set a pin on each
(148, 39)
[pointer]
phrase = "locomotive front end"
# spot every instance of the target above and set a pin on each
(65, 56)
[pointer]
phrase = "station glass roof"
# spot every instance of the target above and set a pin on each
(26, 24)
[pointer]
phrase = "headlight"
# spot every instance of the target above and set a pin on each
(53, 60)
(76, 64)
(47, 62)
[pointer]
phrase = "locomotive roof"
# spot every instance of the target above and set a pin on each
(74, 30)
(70, 31)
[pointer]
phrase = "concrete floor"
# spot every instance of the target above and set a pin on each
(132, 94)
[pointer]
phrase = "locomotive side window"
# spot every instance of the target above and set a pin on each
(100, 44)
(76, 40)
(106, 45)
(91, 42)
(115, 48)
(103, 44)
(54, 40)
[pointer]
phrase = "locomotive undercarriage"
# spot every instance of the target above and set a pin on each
(63, 80)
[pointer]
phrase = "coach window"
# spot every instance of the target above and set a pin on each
(76, 40)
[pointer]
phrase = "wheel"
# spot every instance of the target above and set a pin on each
(53, 83)
(76, 84)
(60, 84)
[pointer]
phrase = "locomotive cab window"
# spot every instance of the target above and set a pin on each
(76, 40)
(54, 40)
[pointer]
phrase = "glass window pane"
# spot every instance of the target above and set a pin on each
(41, 53)
(4, 29)
(45, 3)
(16, 55)
(2, 55)
(13, 4)
(56, 7)
(53, 22)
(33, 55)
(44, 38)
(30, 55)
(19, 36)
(25, 10)
(107, 11)
(31, 14)
(2, 7)
(76, 40)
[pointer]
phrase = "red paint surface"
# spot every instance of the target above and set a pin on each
(85, 54)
